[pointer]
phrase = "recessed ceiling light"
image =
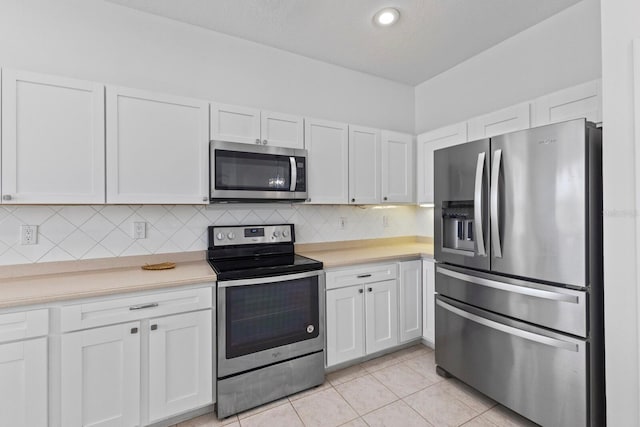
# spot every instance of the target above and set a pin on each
(386, 17)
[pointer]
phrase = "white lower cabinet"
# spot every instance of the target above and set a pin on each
(101, 376)
(160, 359)
(180, 366)
(429, 300)
(23, 384)
(24, 368)
(362, 316)
(410, 300)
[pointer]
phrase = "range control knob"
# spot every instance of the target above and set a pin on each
(231, 235)
(276, 234)
(285, 233)
(220, 236)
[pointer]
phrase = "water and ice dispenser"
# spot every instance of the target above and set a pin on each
(458, 226)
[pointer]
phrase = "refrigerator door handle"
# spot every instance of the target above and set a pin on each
(495, 212)
(538, 293)
(477, 205)
(553, 342)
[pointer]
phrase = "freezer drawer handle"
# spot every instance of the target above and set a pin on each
(495, 213)
(538, 293)
(552, 342)
(477, 205)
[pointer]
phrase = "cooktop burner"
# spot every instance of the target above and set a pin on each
(245, 252)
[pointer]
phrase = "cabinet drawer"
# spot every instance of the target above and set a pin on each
(360, 275)
(24, 324)
(89, 315)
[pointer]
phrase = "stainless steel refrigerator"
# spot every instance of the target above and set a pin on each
(518, 245)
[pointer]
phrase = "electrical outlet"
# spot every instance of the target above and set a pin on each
(342, 222)
(28, 234)
(139, 230)
(385, 221)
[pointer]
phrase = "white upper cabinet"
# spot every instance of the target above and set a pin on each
(397, 167)
(157, 148)
(251, 126)
(498, 122)
(234, 123)
(364, 165)
(282, 130)
(427, 143)
(52, 139)
(583, 100)
(328, 163)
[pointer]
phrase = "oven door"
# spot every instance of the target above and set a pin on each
(242, 171)
(267, 320)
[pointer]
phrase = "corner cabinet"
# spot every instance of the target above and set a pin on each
(364, 165)
(52, 140)
(327, 144)
(252, 126)
(428, 142)
(24, 369)
(151, 351)
(397, 167)
(157, 148)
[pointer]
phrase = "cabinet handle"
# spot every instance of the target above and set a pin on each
(353, 200)
(385, 198)
(362, 276)
(370, 289)
(205, 199)
(134, 330)
(142, 306)
(257, 140)
(264, 142)
(360, 291)
(154, 327)
(6, 197)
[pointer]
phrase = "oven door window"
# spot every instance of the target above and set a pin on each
(260, 317)
(237, 170)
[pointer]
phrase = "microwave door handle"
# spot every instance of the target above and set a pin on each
(477, 205)
(294, 174)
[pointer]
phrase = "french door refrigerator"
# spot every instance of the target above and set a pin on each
(518, 245)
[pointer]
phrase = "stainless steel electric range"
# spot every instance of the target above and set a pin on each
(270, 316)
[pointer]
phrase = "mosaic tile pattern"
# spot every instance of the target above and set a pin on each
(86, 232)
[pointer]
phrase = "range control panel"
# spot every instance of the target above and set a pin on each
(242, 235)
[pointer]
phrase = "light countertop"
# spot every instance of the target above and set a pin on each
(377, 253)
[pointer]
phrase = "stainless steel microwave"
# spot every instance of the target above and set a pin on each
(256, 173)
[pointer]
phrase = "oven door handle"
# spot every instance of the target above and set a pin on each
(266, 280)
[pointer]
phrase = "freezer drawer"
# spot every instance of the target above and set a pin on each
(539, 374)
(562, 309)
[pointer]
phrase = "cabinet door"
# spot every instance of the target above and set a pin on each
(429, 298)
(328, 168)
(397, 167)
(503, 121)
(234, 123)
(23, 388)
(579, 101)
(427, 143)
(157, 148)
(101, 376)
(282, 130)
(410, 286)
(52, 139)
(364, 165)
(345, 324)
(180, 364)
(381, 318)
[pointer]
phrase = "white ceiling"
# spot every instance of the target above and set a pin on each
(430, 37)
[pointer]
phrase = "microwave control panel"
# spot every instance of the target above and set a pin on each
(251, 235)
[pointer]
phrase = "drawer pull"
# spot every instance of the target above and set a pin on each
(362, 276)
(143, 306)
(154, 327)
(134, 330)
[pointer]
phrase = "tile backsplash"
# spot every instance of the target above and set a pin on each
(85, 232)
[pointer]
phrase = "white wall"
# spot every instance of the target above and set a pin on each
(559, 52)
(621, 215)
(101, 41)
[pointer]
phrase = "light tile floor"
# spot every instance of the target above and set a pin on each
(400, 389)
